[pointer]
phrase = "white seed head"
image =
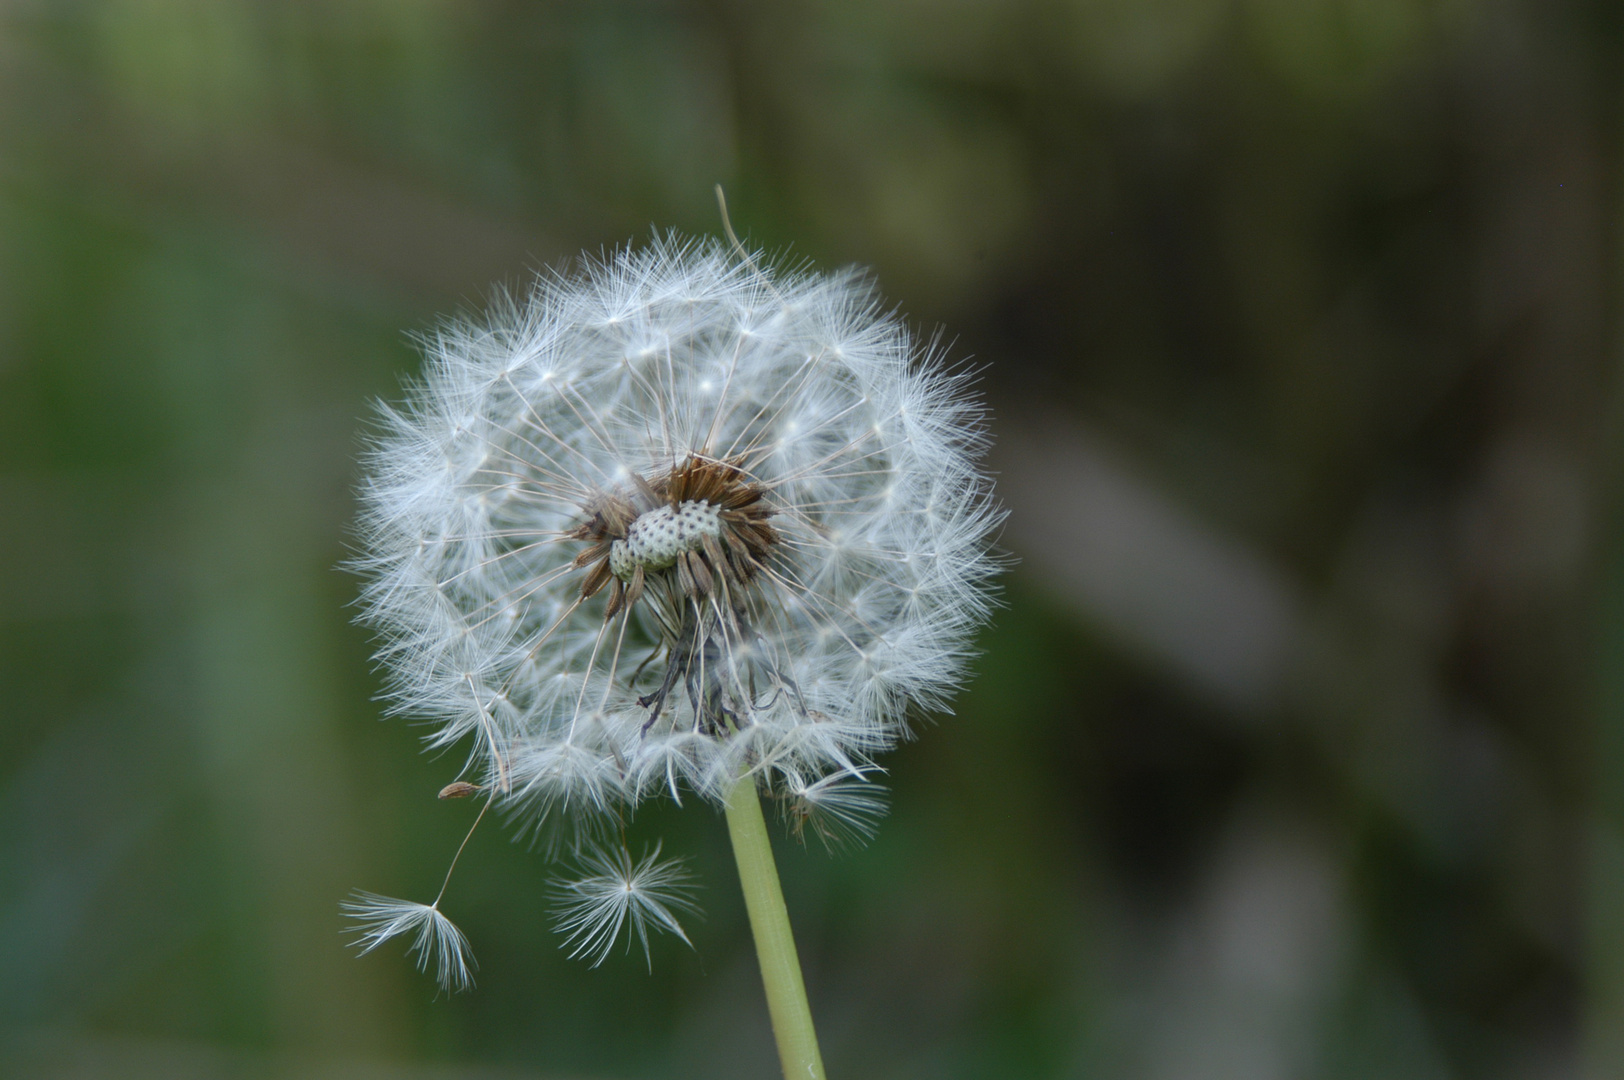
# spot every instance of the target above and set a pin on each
(673, 519)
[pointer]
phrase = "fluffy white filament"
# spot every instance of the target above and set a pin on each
(843, 809)
(437, 941)
(615, 892)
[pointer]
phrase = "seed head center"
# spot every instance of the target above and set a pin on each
(658, 537)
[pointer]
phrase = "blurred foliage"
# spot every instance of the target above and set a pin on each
(1324, 290)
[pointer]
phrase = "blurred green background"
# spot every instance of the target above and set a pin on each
(1297, 751)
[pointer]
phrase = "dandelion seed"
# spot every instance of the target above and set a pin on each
(843, 809)
(379, 918)
(615, 892)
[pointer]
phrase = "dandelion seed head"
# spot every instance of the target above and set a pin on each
(660, 523)
(672, 518)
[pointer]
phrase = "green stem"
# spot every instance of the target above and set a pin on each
(775, 945)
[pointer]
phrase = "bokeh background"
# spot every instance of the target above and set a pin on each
(1297, 750)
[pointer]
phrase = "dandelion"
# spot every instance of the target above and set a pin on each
(676, 523)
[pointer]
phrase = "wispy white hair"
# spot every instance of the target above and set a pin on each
(435, 939)
(616, 893)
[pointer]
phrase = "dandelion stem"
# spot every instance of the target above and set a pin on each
(775, 945)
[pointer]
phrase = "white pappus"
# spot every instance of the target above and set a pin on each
(673, 519)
